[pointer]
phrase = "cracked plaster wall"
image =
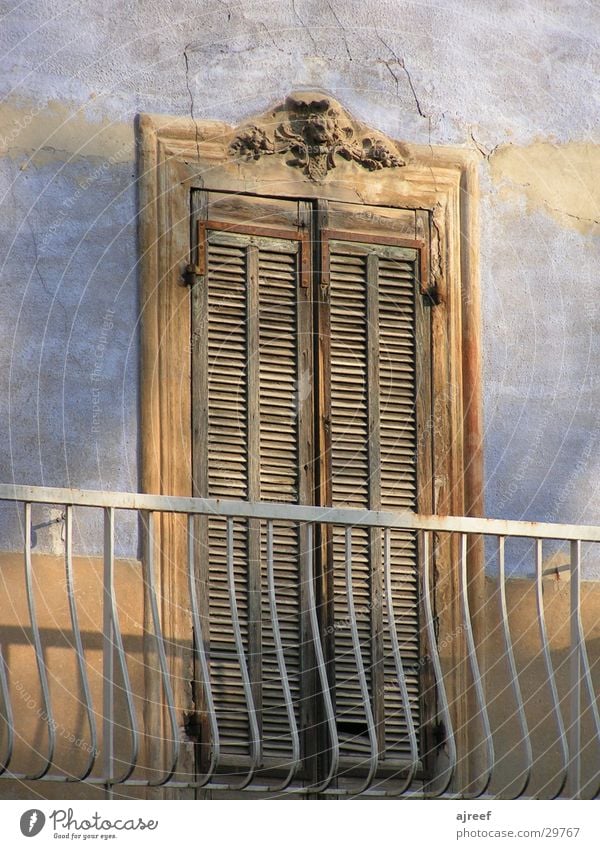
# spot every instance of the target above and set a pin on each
(516, 81)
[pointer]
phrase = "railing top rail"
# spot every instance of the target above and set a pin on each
(298, 513)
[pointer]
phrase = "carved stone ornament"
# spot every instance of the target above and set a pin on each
(314, 132)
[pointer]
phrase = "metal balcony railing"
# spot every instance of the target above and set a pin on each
(97, 684)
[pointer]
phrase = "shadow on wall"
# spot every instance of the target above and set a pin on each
(67, 711)
(71, 723)
(533, 679)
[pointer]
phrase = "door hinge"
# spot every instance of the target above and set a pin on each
(431, 295)
(191, 275)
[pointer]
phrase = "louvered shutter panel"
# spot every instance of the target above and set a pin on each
(251, 378)
(349, 481)
(373, 447)
(397, 404)
(227, 467)
(253, 411)
(279, 481)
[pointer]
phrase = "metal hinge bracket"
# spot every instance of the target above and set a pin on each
(191, 275)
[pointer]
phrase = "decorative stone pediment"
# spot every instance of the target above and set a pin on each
(312, 131)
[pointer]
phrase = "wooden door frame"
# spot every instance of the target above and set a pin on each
(177, 155)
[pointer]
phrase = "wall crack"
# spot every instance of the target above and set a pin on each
(304, 26)
(486, 154)
(191, 96)
(343, 29)
(581, 218)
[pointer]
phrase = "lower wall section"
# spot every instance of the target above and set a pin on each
(69, 716)
(533, 680)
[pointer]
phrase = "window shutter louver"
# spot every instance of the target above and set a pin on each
(255, 344)
(349, 482)
(264, 373)
(227, 453)
(398, 425)
(279, 481)
(373, 448)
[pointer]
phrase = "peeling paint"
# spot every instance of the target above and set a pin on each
(58, 131)
(560, 179)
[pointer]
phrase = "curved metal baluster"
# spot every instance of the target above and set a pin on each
(550, 669)
(162, 658)
(575, 652)
(589, 685)
(473, 663)
(287, 693)
(39, 654)
(322, 670)
(437, 670)
(83, 676)
(360, 667)
(412, 734)
(587, 677)
(239, 644)
(8, 715)
(114, 631)
(203, 660)
(514, 678)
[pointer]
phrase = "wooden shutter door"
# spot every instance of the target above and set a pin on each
(252, 391)
(377, 378)
(255, 397)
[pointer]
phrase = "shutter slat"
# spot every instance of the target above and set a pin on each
(257, 406)
(398, 488)
(396, 478)
(349, 482)
(276, 443)
(279, 482)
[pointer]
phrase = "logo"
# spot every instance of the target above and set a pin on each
(32, 822)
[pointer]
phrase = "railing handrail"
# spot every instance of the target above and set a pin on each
(298, 513)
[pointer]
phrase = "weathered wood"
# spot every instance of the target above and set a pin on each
(199, 391)
(348, 253)
(375, 536)
(150, 410)
(240, 209)
(165, 249)
(473, 431)
(324, 579)
(236, 234)
(422, 234)
(378, 223)
(361, 242)
(253, 314)
(306, 458)
(348, 368)
(254, 493)
(427, 421)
